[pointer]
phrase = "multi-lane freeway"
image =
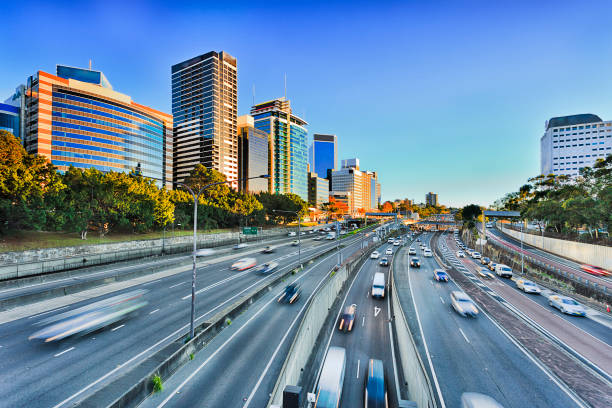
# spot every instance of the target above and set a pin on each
(64, 373)
(469, 354)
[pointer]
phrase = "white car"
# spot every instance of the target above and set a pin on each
(527, 286)
(503, 270)
(240, 246)
(460, 254)
(243, 264)
(427, 253)
(411, 251)
(567, 305)
(389, 251)
(390, 241)
(476, 255)
(295, 243)
(291, 234)
(396, 243)
(374, 255)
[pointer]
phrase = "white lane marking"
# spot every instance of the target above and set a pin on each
(117, 328)
(464, 336)
(50, 311)
(363, 321)
(255, 315)
(221, 282)
(65, 351)
(153, 311)
(174, 286)
(148, 283)
(431, 367)
(147, 350)
(376, 311)
(441, 300)
(358, 361)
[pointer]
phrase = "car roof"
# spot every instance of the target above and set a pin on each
(460, 295)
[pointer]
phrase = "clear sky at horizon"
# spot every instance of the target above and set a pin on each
(449, 97)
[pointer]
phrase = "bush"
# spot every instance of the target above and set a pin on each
(157, 383)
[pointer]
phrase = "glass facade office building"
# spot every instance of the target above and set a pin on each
(205, 106)
(10, 119)
(288, 135)
(75, 118)
(253, 156)
(323, 154)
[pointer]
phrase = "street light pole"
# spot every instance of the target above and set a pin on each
(522, 267)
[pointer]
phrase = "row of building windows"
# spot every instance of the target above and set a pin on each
(582, 127)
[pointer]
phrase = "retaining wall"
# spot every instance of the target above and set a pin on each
(580, 252)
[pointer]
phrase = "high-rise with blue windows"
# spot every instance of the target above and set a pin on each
(323, 155)
(75, 118)
(288, 135)
(11, 113)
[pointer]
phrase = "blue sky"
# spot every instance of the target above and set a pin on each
(449, 97)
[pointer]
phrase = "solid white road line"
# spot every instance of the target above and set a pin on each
(117, 328)
(65, 351)
(153, 311)
(431, 367)
(363, 321)
(178, 284)
(358, 361)
(464, 336)
(50, 311)
(148, 283)
(441, 300)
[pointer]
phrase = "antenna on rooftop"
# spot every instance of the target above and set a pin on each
(90, 64)
(285, 85)
(253, 94)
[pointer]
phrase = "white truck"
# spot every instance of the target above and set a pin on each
(503, 271)
(378, 285)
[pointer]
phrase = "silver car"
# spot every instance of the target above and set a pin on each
(463, 304)
(567, 305)
(527, 286)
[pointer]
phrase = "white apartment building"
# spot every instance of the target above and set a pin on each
(362, 186)
(573, 142)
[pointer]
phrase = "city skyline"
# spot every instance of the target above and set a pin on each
(488, 97)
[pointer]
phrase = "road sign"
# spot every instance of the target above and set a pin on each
(249, 230)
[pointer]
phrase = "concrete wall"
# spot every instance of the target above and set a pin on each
(580, 252)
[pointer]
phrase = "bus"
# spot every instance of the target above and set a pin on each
(329, 389)
(375, 389)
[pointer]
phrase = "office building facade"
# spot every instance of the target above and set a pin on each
(12, 113)
(204, 107)
(254, 151)
(318, 190)
(362, 186)
(431, 199)
(572, 142)
(323, 154)
(288, 134)
(75, 118)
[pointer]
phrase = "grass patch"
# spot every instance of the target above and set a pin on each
(191, 356)
(27, 240)
(157, 383)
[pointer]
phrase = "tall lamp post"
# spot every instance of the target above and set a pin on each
(297, 213)
(196, 197)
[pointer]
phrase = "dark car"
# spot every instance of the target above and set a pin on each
(348, 318)
(440, 275)
(415, 262)
(268, 249)
(384, 262)
(485, 261)
(291, 294)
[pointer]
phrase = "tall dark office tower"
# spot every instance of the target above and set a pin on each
(323, 154)
(205, 102)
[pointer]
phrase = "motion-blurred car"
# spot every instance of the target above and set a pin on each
(476, 255)
(411, 251)
(390, 241)
(295, 243)
(527, 286)
(491, 266)
(460, 254)
(463, 304)
(397, 242)
(291, 294)
(389, 251)
(243, 264)
(485, 260)
(503, 271)
(374, 255)
(240, 245)
(89, 318)
(384, 262)
(440, 275)
(291, 234)
(427, 253)
(415, 262)
(266, 267)
(567, 305)
(348, 318)
(317, 238)
(268, 249)
(205, 252)
(485, 273)
(477, 400)
(595, 270)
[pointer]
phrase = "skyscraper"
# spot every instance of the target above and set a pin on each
(323, 154)
(431, 199)
(360, 187)
(254, 151)
(573, 142)
(288, 134)
(204, 105)
(75, 118)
